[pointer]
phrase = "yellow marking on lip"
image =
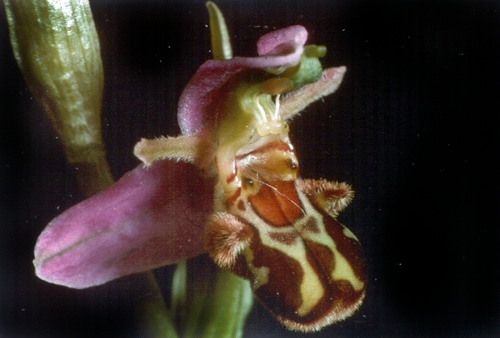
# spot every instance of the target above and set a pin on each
(343, 269)
(261, 275)
(311, 289)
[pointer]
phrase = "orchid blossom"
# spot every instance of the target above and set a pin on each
(157, 214)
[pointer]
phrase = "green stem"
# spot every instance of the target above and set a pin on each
(230, 305)
(153, 314)
(219, 301)
(179, 293)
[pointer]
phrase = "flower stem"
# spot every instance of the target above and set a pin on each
(219, 301)
(231, 302)
(179, 293)
(154, 316)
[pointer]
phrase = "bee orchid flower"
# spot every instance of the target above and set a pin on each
(156, 215)
(227, 186)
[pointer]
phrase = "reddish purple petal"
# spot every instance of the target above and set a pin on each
(199, 101)
(150, 218)
(298, 100)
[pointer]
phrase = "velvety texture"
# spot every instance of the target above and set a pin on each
(150, 218)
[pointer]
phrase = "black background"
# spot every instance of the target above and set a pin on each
(414, 128)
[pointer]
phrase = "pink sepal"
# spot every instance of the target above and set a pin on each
(151, 217)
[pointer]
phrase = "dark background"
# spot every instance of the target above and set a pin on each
(414, 128)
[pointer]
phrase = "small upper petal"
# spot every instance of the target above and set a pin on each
(150, 218)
